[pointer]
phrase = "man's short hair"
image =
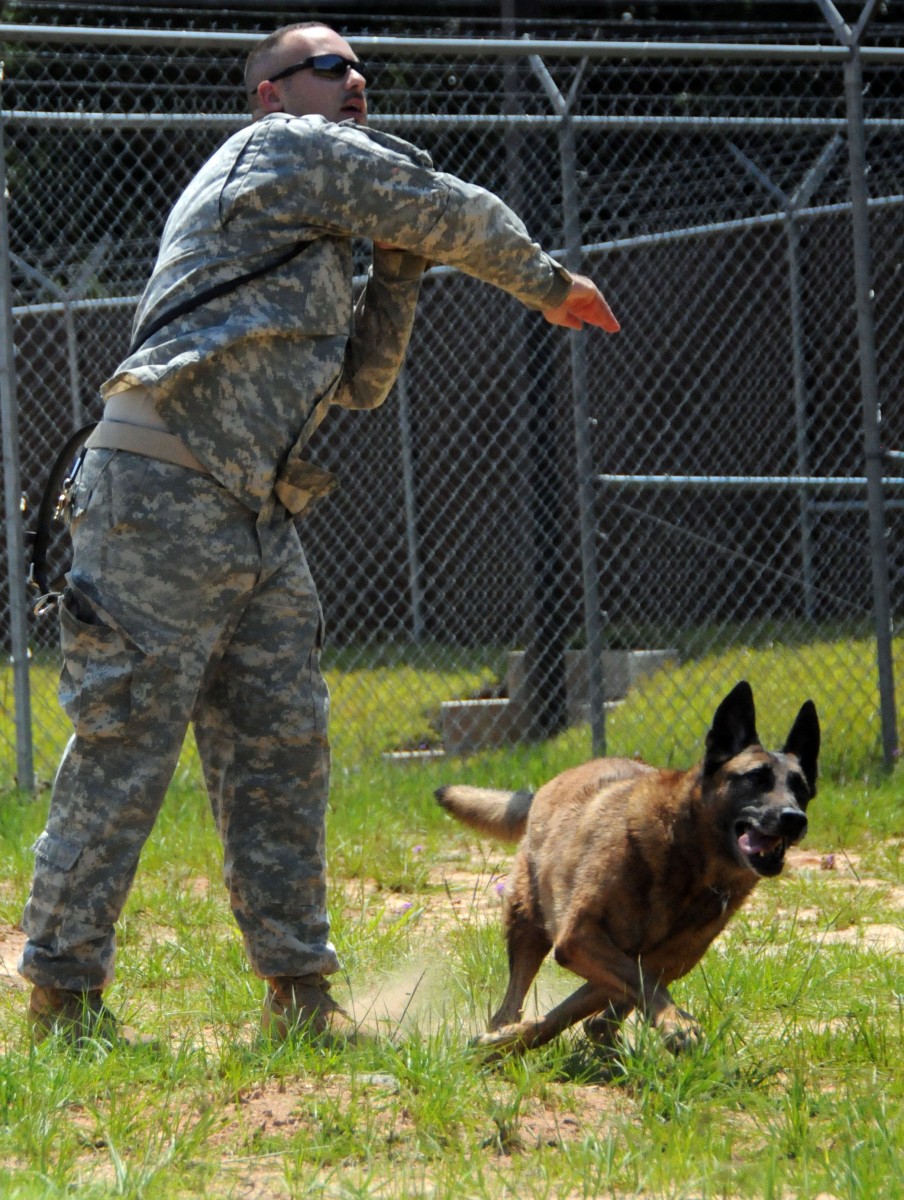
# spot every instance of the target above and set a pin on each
(259, 53)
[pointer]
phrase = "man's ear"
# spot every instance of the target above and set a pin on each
(268, 98)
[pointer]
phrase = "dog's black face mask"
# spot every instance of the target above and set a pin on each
(768, 792)
(771, 797)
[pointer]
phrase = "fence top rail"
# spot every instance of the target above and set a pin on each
(704, 124)
(432, 121)
(499, 47)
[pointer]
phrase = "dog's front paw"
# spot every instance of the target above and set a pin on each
(680, 1031)
(602, 1030)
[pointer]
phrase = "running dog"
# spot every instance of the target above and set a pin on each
(627, 872)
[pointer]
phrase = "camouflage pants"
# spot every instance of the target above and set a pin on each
(184, 606)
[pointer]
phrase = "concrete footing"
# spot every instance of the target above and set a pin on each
(469, 725)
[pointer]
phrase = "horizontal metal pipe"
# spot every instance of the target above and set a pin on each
(738, 481)
(53, 307)
(105, 120)
(48, 308)
(829, 506)
(736, 226)
(628, 122)
(73, 120)
(500, 47)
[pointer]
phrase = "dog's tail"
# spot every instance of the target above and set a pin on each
(502, 815)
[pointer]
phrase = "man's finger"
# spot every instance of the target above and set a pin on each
(583, 304)
(597, 313)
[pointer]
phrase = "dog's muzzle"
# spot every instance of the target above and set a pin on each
(763, 842)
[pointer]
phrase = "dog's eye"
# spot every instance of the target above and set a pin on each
(799, 789)
(761, 777)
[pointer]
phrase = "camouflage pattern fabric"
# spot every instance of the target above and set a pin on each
(189, 599)
(245, 379)
(184, 605)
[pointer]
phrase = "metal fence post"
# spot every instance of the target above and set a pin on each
(12, 493)
(869, 381)
(545, 691)
(792, 206)
(582, 427)
(408, 484)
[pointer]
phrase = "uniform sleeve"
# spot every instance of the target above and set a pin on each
(347, 181)
(384, 316)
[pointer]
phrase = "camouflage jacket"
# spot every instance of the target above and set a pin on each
(245, 377)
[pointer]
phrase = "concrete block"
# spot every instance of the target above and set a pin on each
(469, 725)
(621, 670)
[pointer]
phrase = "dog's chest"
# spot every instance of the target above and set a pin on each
(711, 906)
(688, 928)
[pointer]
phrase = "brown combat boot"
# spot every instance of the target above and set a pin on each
(303, 1004)
(79, 1018)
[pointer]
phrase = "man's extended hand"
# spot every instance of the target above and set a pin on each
(584, 305)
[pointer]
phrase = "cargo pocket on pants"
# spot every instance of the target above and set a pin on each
(55, 858)
(57, 851)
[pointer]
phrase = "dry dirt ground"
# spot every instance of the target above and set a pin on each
(273, 1110)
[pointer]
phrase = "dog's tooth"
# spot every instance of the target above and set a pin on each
(752, 841)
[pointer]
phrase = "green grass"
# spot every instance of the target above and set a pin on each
(797, 1091)
(388, 698)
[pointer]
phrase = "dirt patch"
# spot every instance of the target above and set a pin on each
(253, 1131)
(12, 942)
(842, 865)
(317, 1110)
(884, 938)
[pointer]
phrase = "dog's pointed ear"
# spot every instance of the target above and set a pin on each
(733, 728)
(803, 742)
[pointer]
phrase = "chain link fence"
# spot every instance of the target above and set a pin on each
(675, 498)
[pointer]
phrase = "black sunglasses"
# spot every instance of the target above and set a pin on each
(324, 66)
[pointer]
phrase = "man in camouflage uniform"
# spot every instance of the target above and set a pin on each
(189, 598)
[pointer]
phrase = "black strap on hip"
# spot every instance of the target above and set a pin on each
(53, 513)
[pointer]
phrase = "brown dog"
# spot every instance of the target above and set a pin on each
(628, 872)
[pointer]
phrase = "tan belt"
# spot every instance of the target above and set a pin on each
(139, 439)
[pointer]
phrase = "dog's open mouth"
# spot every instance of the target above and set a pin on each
(763, 851)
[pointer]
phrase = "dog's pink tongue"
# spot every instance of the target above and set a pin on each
(752, 842)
